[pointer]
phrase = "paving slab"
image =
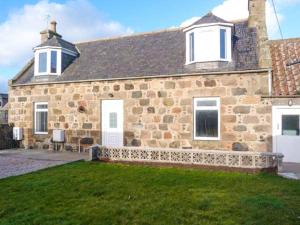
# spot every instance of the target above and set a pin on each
(18, 162)
(290, 171)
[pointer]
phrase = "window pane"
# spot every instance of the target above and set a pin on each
(43, 62)
(113, 120)
(41, 122)
(223, 43)
(192, 47)
(53, 61)
(207, 103)
(207, 123)
(290, 125)
(40, 106)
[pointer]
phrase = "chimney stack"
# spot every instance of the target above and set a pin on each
(257, 20)
(53, 26)
(49, 33)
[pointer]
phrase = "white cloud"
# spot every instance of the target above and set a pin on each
(77, 20)
(233, 10)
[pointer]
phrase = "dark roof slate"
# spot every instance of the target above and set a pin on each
(209, 18)
(56, 41)
(151, 54)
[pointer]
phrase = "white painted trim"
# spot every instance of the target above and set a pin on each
(207, 46)
(217, 107)
(207, 25)
(64, 50)
(40, 110)
(112, 135)
(58, 61)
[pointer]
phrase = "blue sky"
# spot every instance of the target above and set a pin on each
(78, 20)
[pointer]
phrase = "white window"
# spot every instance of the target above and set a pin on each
(43, 62)
(41, 118)
(207, 118)
(208, 43)
(47, 61)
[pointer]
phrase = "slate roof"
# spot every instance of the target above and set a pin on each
(209, 18)
(3, 95)
(56, 41)
(150, 54)
(286, 66)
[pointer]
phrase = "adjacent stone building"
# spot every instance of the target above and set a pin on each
(199, 87)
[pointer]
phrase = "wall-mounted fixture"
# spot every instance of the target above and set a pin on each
(17, 133)
(58, 136)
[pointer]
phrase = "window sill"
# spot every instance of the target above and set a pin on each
(208, 61)
(41, 133)
(207, 139)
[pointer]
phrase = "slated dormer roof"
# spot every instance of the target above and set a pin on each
(209, 18)
(56, 41)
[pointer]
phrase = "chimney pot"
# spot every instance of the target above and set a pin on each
(53, 26)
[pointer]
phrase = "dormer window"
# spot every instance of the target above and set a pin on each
(222, 43)
(192, 46)
(42, 62)
(208, 40)
(48, 61)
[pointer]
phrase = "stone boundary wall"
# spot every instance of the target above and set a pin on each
(6, 137)
(246, 160)
(158, 112)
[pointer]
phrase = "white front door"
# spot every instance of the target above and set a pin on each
(286, 132)
(112, 123)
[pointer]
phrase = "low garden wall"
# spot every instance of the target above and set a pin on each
(210, 158)
(6, 137)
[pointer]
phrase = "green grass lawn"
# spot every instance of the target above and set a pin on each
(96, 193)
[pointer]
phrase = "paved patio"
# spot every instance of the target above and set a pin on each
(291, 171)
(17, 162)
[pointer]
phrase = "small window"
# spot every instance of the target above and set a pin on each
(113, 120)
(41, 118)
(53, 61)
(207, 118)
(192, 47)
(290, 125)
(43, 62)
(222, 43)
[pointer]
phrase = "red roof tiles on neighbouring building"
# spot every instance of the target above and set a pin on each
(286, 66)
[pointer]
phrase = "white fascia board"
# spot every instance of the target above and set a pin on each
(208, 25)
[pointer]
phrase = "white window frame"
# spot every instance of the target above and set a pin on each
(215, 47)
(203, 108)
(36, 110)
(48, 50)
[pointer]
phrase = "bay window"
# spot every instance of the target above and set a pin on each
(207, 118)
(48, 61)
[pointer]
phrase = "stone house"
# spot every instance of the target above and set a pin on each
(206, 86)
